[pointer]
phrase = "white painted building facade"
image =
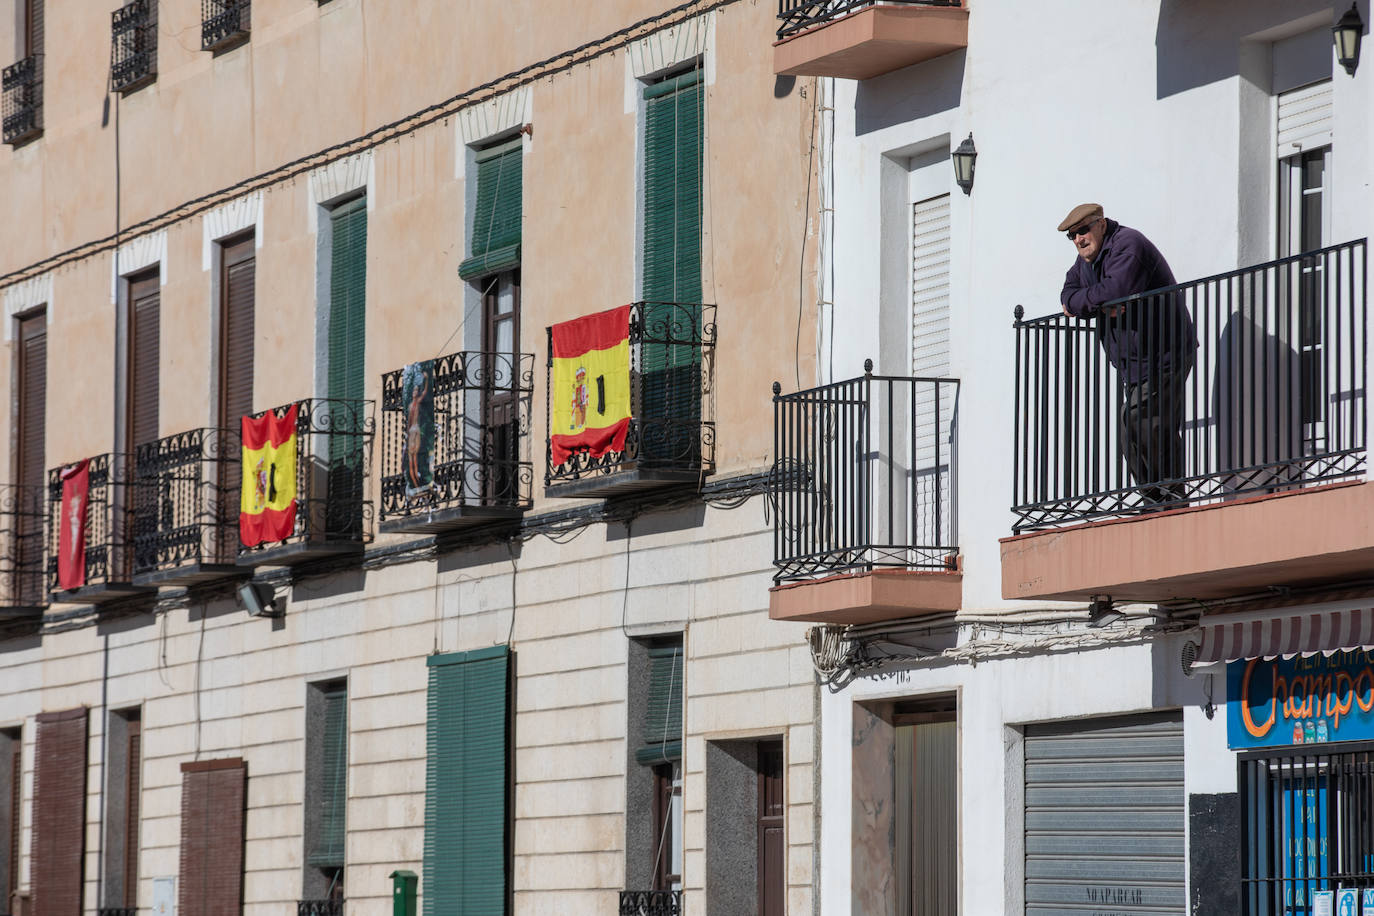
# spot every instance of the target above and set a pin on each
(1186, 122)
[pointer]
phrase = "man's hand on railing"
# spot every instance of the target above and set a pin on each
(1114, 311)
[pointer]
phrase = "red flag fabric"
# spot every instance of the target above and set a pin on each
(71, 539)
(267, 502)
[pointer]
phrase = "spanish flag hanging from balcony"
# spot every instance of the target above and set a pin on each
(71, 539)
(591, 384)
(267, 504)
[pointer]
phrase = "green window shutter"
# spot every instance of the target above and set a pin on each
(329, 843)
(672, 189)
(496, 212)
(671, 259)
(663, 716)
(347, 300)
(466, 776)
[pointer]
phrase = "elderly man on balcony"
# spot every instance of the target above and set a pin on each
(1149, 340)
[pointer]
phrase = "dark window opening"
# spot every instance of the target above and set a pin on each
(326, 790)
(1307, 826)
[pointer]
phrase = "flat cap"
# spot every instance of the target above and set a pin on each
(1080, 214)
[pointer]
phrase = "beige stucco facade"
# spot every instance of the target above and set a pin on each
(258, 137)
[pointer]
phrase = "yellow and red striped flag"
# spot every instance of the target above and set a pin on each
(591, 385)
(267, 503)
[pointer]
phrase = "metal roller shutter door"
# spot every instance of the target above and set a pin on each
(1105, 817)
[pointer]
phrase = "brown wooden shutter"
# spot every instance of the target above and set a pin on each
(33, 398)
(135, 759)
(144, 333)
(59, 817)
(213, 794)
(772, 848)
(236, 332)
(33, 38)
(16, 800)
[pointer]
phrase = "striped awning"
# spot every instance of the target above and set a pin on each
(1305, 631)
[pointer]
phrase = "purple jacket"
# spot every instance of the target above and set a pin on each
(1152, 334)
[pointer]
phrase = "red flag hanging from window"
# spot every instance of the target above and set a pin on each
(71, 539)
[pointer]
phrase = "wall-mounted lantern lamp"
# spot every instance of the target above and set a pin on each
(964, 158)
(1347, 33)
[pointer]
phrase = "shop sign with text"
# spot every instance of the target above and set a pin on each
(1300, 700)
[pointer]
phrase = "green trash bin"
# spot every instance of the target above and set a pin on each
(404, 884)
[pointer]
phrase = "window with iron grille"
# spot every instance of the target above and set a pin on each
(133, 45)
(11, 779)
(123, 769)
(1307, 824)
(326, 790)
(21, 83)
(223, 23)
(654, 783)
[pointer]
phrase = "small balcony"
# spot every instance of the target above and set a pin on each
(861, 39)
(651, 903)
(133, 45)
(104, 569)
(455, 434)
(21, 87)
(864, 515)
(1235, 467)
(186, 508)
(23, 595)
(223, 23)
(332, 505)
(671, 435)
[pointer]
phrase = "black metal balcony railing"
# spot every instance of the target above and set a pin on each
(21, 85)
(650, 903)
(223, 22)
(133, 51)
(186, 500)
(870, 476)
(116, 911)
(333, 465)
(1275, 397)
(477, 454)
(109, 504)
(23, 513)
(672, 425)
(319, 907)
(797, 15)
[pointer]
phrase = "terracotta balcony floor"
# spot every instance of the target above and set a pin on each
(1305, 537)
(867, 597)
(872, 41)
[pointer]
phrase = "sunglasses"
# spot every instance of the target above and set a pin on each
(1075, 232)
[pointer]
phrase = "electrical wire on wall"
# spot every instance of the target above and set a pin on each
(394, 130)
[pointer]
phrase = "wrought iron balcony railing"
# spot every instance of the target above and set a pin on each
(650, 903)
(107, 563)
(21, 85)
(117, 911)
(333, 470)
(23, 560)
(186, 505)
(796, 15)
(456, 436)
(1272, 397)
(320, 907)
(223, 22)
(866, 472)
(133, 51)
(672, 428)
